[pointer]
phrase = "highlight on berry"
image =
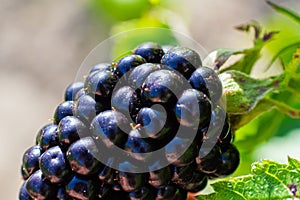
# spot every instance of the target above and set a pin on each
(150, 126)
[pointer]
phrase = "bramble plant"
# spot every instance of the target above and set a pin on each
(140, 103)
(248, 98)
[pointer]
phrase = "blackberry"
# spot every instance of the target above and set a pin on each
(63, 110)
(72, 89)
(230, 161)
(147, 192)
(40, 188)
(207, 81)
(140, 73)
(127, 63)
(210, 162)
(138, 106)
(62, 194)
(54, 166)
(31, 160)
(154, 123)
(86, 108)
(100, 84)
(107, 174)
(81, 156)
(160, 177)
(82, 188)
(175, 148)
(136, 145)
(152, 52)
(47, 137)
(182, 59)
(171, 192)
(125, 100)
(111, 128)
(79, 93)
(161, 86)
(23, 194)
(101, 67)
(193, 109)
(70, 129)
(129, 181)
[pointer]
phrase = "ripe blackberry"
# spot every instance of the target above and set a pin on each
(82, 188)
(182, 59)
(136, 146)
(193, 109)
(140, 73)
(127, 63)
(81, 156)
(63, 110)
(162, 86)
(155, 123)
(152, 52)
(210, 162)
(23, 194)
(70, 129)
(100, 84)
(111, 128)
(62, 194)
(207, 81)
(47, 137)
(175, 148)
(54, 165)
(160, 177)
(130, 181)
(140, 105)
(101, 67)
(230, 161)
(125, 100)
(86, 108)
(72, 89)
(40, 188)
(31, 161)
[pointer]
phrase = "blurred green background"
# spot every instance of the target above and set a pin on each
(43, 43)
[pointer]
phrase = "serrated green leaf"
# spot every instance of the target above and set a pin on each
(268, 180)
(294, 163)
(243, 92)
(285, 11)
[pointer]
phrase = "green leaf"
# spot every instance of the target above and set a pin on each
(239, 120)
(289, 87)
(243, 92)
(282, 51)
(284, 108)
(285, 11)
(268, 180)
(293, 69)
(251, 55)
(294, 162)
